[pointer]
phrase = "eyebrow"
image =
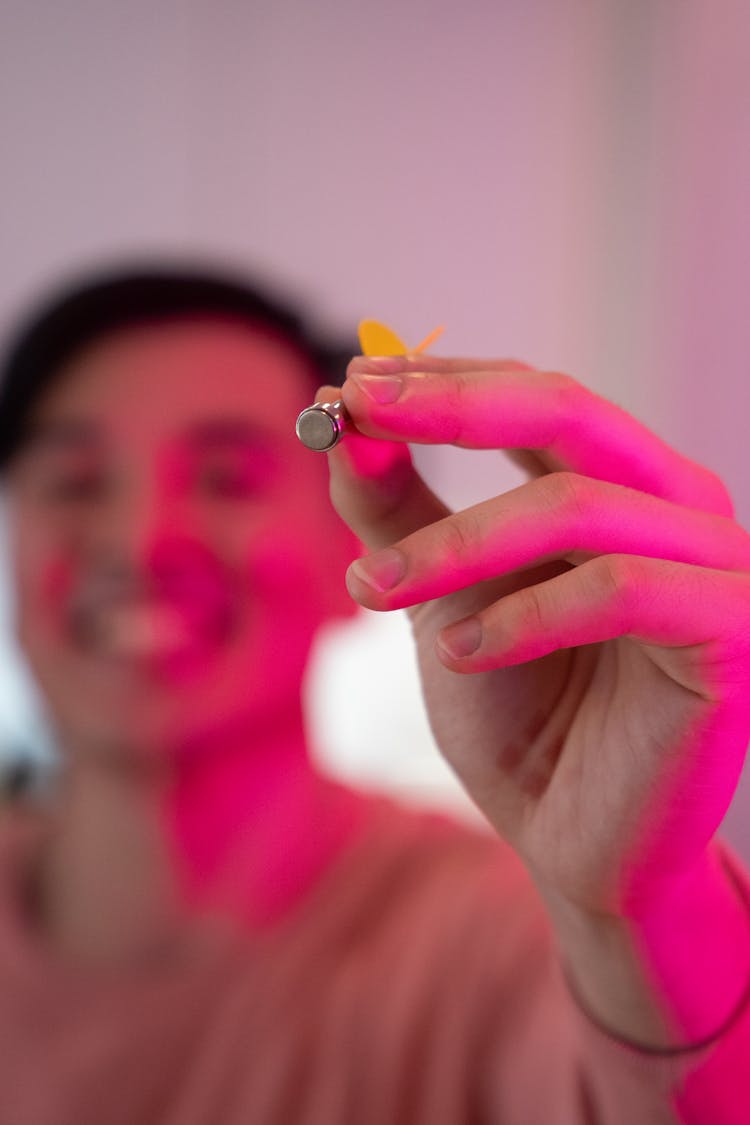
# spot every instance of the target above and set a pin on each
(204, 436)
(66, 433)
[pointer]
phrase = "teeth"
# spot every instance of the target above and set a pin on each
(142, 630)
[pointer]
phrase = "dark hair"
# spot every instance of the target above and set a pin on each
(97, 304)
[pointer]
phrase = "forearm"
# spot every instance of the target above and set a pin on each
(674, 978)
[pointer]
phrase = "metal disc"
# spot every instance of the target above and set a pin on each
(316, 429)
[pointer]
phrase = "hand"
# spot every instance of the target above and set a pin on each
(583, 640)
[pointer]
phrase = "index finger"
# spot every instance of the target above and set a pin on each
(482, 404)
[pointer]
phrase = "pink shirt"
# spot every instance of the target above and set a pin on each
(415, 985)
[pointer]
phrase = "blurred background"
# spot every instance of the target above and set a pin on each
(564, 181)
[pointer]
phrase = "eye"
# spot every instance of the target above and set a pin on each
(74, 485)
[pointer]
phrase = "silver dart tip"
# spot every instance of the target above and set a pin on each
(322, 425)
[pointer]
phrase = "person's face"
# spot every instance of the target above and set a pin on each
(172, 543)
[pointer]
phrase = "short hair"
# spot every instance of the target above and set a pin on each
(98, 304)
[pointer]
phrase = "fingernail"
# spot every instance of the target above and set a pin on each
(380, 388)
(461, 639)
(380, 572)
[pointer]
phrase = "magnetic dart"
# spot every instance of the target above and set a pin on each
(322, 425)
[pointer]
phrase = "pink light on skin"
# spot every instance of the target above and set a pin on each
(322, 429)
(559, 525)
(174, 554)
(384, 464)
(583, 649)
(255, 836)
(613, 519)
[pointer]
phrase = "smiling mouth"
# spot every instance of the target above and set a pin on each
(152, 627)
(139, 631)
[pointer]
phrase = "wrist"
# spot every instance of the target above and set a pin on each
(676, 975)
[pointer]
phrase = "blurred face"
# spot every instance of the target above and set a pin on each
(172, 542)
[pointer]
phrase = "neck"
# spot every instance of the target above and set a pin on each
(241, 828)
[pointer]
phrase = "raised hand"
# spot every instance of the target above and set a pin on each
(584, 640)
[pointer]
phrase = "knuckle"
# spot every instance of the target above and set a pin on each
(461, 405)
(617, 579)
(566, 390)
(566, 492)
(462, 399)
(455, 401)
(567, 402)
(459, 538)
(532, 617)
(719, 496)
(570, 399)
(743, 546)
(560, 382)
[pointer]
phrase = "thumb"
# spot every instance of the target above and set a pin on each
(375, 488)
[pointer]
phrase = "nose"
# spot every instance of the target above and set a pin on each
(141, 520)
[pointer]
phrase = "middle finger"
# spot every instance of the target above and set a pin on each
(561, 516)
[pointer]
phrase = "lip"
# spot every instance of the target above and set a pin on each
(155, 624)
(133, 631)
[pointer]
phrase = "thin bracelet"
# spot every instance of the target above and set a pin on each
(689, 1048)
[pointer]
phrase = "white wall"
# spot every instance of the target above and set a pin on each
(555, 179)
